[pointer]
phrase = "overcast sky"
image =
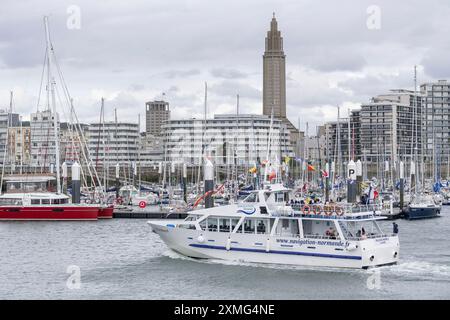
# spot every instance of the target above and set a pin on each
(131, 52)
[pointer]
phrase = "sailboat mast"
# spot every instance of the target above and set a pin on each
(55, 118)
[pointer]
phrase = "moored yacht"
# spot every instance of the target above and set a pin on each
(32, 198)
(264, 228)
(422, 206)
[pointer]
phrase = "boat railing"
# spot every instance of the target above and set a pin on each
(337, 209)
(370, 236)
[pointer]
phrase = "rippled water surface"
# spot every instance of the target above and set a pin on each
(122, 259)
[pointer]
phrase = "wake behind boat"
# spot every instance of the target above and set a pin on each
(264, 228)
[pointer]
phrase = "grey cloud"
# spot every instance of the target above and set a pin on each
(228, 73)
(172, 74)
(230, 88)
(437, 62)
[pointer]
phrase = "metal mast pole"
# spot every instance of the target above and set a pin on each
(55, 120)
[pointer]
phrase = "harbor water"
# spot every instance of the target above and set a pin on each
(123, 259)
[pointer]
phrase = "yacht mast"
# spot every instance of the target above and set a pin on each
(55, 118)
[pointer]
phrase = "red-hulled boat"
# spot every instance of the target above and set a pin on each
(28, 198)
(106, 212)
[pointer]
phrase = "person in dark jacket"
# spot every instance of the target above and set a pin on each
(395, 227)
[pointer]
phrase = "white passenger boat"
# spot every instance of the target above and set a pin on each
(264, 228)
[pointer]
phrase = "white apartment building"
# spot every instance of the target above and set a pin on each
(436, 116)
(113, 142)
(227, 139)
(43, 144)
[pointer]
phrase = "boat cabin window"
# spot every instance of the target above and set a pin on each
(212, 224)
(187, 226)
(360, 230)
(252, 197)
(45, 201)
(191, 217)
(280, 197)
(224, 225)
(248, 226)
(28, 186)
(234, 223)
(10, 202)
(287, 228)
(262, 226)
(220, 224)
(35, 201)
(319, 229)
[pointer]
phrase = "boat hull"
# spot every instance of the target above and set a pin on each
(277, 250)
(106, 212)
(422, 213)
(54, 212)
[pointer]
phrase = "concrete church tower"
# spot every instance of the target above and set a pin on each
(274, 73)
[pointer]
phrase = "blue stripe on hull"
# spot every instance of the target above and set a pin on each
(311, 254)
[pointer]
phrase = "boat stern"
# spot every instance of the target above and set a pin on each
(380, 251)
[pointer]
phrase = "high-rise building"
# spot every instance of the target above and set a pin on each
(274, 81)
(436, 116)
(19, 144)
(156, 112)
(337, 143)
(7, 119)
(274, 73)
(43, 146)
(113, 143)
(71, 141)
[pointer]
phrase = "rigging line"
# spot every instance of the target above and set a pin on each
(81, 136)
(42, 80)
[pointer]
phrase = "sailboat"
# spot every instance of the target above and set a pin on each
(35, 196)
(422, 204)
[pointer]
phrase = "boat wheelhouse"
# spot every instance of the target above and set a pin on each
(265, 228)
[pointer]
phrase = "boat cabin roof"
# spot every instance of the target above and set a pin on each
(28, 178)
(34, 195)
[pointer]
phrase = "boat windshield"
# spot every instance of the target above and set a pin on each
(191, 217)
(10, 202)
(26, 186)
(360, 230)
(252, 197)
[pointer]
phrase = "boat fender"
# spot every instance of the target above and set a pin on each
(228, 246)
(306, 209)
(350, 246)
(328, 210)
(200, 239)
(267, 245)
(339, 211)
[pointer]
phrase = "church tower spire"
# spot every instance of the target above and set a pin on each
(274, 73)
